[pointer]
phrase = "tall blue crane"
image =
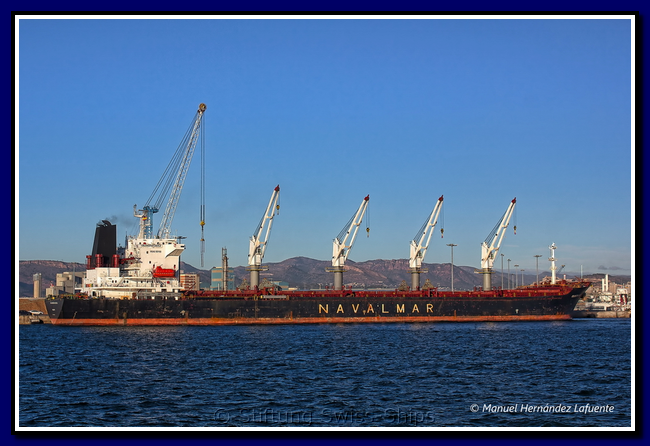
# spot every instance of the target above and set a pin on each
(170, 185)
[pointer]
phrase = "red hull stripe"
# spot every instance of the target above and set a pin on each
(307, 320)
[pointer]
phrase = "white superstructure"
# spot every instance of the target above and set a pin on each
(150, 262)
(147, 266)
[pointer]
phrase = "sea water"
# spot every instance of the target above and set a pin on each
(497, 374)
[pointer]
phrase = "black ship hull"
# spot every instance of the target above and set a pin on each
(231, 308)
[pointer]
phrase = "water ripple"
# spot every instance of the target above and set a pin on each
(426, 375)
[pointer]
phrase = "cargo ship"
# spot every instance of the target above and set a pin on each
(139, 283)
(271, 306)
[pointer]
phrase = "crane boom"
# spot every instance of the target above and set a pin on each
(341, 248)
(491, 245)
(189, 144)
(260, 238)
(418, 245)
(258, 241)
(171, 184)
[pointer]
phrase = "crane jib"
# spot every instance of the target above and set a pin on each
(171, 183)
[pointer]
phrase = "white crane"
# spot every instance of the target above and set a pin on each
(344, 241)
(420, 243)
(260, 238)
(490, 247)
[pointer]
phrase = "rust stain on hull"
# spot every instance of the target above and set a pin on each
(310, 320)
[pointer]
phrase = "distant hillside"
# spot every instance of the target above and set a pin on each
(48, 269)
(302, 272)
(306, 273)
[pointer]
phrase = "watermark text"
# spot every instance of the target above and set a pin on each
(542, 408)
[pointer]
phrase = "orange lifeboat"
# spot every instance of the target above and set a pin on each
(164, 272)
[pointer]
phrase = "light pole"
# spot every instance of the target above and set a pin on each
(452, 265)
(508, 273)
(516, 276)
(537, 256)
(501, 271)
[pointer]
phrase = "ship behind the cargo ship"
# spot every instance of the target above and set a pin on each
(271, 306)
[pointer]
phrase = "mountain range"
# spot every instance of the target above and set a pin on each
(306, 273)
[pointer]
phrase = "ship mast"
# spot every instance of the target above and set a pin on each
(552, 260)
(224, 269)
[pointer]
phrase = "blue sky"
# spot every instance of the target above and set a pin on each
(405, 110)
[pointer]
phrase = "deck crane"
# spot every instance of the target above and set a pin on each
(258, 241)
(490, 246)
(420, 243)
(341, 248)
(171, 185)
